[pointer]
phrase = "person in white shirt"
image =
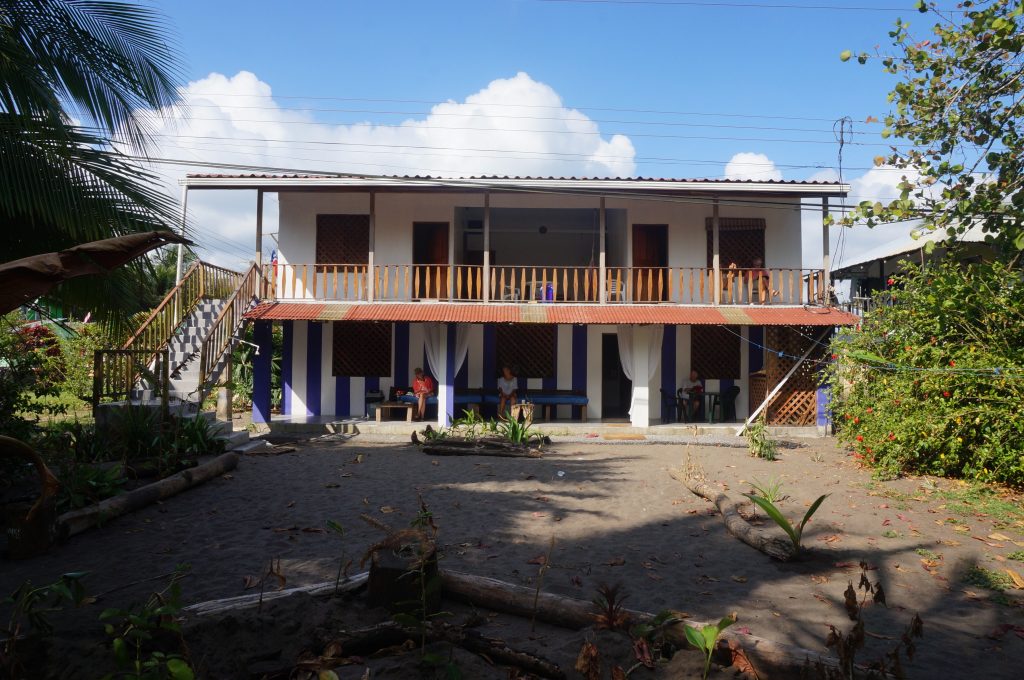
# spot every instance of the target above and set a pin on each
(508, 385)
(695, 401)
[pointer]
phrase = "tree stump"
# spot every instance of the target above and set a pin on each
(405, 582)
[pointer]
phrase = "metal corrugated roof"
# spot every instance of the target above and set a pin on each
(904, 245)
(557, 314)
(520, 178)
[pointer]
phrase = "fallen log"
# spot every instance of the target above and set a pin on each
(227, 604)
(769, 659)
(76, 521)
(772, 544)
(445, 449)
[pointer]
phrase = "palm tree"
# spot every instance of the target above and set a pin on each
(73, 75)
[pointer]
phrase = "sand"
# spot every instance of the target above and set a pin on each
(614, 514)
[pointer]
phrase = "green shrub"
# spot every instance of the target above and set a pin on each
(933, 380)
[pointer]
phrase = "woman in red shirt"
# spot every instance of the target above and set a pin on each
(423, 386)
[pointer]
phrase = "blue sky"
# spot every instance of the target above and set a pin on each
(738, 79)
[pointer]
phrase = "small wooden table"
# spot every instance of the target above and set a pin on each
(390, 405)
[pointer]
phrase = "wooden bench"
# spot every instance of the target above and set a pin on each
(391, 405)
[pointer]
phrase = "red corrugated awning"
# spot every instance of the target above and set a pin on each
(441, 312)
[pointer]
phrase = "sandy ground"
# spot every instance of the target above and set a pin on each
(614, 514)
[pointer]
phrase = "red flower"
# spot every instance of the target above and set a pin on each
(892, 436)
(856, 421)
(834, 357)
(869, 409)
(891, 281)
(868, 449)
(952, 363)
(847, 416)
(896, 401)
(946, 394)
(860, 437)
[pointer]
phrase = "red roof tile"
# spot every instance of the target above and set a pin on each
(559, 314)
(799, 316)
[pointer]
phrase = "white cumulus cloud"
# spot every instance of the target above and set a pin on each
(747, 165)
(513, 126)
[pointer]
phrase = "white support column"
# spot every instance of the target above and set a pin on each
(371, 275)
(487, 247)
(640, 413)
(259, 229)
(716, 263)
(181, 246)
(602, 293)
(826, 256)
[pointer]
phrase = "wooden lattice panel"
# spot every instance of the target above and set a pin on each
(796, 402)
(529, 349)
(715, 352)
(362, 349)
(740, 240)
(342, 239)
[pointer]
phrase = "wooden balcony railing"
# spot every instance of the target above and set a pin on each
(519, 283)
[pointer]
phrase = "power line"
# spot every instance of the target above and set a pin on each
(490, 116)
(378, 165)
(742, 5)
(589, 133)
(433, 102)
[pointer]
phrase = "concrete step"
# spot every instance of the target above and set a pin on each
(252, 446)
(234, 439)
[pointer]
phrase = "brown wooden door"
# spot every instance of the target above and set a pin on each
(649, 278)
(430, 257)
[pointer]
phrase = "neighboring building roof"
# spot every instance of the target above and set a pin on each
(900, 246)
(544, 313)
(511, 183)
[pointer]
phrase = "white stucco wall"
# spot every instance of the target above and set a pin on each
(396, 212)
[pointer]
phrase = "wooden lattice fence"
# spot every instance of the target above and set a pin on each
(796, 402)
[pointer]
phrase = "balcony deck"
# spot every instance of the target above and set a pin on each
(553, 285)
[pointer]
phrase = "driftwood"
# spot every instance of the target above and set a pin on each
(229, 604)
(77, 521)
(772, 544)
(475, 447)
(769, 659)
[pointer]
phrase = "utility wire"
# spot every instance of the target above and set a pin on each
(740, 5)
(587, 133)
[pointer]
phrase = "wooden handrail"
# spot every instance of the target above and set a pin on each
(218, 337)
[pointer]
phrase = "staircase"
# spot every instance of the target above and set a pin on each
(176, 358)
(185, 347)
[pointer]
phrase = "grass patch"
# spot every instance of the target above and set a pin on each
(928, 554)
(986, 578)
(979, 499)
(1016, 555)
(889, 533)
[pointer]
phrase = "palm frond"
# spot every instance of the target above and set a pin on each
(105, 59)
(59, 187)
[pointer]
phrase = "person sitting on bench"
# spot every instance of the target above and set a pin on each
(694, 404)
(508, 385)
(423, 387)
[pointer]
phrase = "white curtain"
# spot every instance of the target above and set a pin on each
(432, 334)
(630, 338)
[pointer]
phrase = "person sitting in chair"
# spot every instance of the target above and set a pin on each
(508, 385)
(694, 405)
(423, 387)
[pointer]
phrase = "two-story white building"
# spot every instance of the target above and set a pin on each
(602, 294)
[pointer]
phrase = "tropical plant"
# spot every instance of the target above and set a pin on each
(771, 490)
(21, 380)
(137, 632)
(63, 182)
(957, 113)
(795, 533)
(706, 637)
(517, 432)
(758, 440)
(83, 484)
(611, 614)
(848, 644)
(339, 529)
(931, 382)
(30, 610)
